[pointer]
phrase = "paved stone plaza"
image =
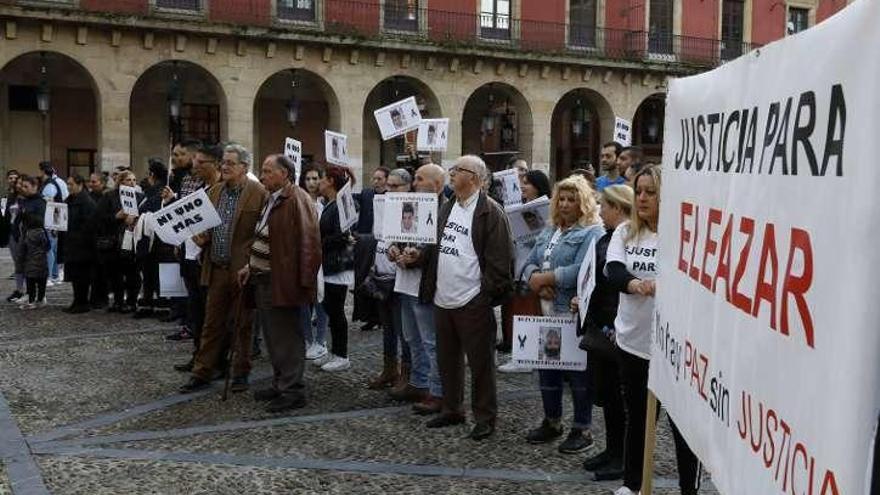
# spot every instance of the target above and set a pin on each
(90, 406)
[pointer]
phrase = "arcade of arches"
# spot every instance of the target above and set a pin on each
(95, 106)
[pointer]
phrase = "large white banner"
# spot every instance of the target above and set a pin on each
(765, 348)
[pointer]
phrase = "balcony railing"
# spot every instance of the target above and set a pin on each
(403, 20)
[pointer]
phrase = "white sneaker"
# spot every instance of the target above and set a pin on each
(512, 367)
(26, 306)
(337, 364)
(316, 351)
(321, 361)
(624, 491)
(19, 300)
(51, 283)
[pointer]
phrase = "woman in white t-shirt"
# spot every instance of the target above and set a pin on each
(631, 267)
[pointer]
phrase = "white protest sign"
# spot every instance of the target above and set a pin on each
(348, 214)
(547, 343)
(3, 203)
(293, 151)
(378, 216)
(765, 342)
(622, 131)
(170, 282)
(56, 217)
(128, 198)
(586, 282)
(526, 222)
(336, 148)
(433, 135)
(398, 118)
(410, 217)
(508, 182)
(185, 218)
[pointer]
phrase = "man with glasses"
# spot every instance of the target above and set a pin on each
(468, 272)
(226, 250)
(206, 170)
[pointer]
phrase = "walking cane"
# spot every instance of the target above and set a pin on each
(236, 318)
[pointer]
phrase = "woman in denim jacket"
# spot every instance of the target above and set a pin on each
(552, 270)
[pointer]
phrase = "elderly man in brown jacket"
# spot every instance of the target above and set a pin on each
(283, 272)
(226, 250)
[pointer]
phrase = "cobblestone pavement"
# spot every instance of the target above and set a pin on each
(89, 406)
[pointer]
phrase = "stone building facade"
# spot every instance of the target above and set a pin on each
(512, 83)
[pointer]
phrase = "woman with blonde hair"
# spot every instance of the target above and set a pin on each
(615, 206)
(632, 269)
(551, 270)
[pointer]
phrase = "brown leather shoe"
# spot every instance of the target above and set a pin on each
(386, 379)
(431, 405)
(409, 394)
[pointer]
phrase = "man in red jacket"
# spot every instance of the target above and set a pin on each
(283, 272)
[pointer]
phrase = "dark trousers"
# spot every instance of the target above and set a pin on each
(334, 305)
(191, 272)
(36, 289)
(217, 333)
(99, 293)
(125, 279)
(389, 317)
(605, 372)
(552, 387)
(634, 378)
(80, 276)
(284, 337)
(467, 331)
(149, 268)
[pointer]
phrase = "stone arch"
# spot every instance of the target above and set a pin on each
(648, 125)
(497, 124)
(317, 108)
(394, 88)
(68, 134)
(582, 120)
(203, 116)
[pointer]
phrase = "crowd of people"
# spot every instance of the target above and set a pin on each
(280, 266)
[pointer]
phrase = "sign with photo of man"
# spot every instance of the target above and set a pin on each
(398, 118)
(56, 217)
(526, 222)
(432, 135)
(547, 343)
(507, 182)
(336, 148)
(410, 217)
(348, 214)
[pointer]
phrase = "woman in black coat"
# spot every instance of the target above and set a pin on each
(33, 242)
(79, 253)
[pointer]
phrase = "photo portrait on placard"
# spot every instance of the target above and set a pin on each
(410, 217)
(398, 118)
(505, 185)
(532, 220)
(432, 135)
(56, 216)
(348, 214)
(550, 344)
(336, 148)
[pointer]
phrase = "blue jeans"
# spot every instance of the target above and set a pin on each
(392, 328)
(421, 335)
(552, 383)
(52, 256)
(319, 334)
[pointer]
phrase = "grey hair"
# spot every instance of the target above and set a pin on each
(244, 156)
(478, 164)
(402, 174)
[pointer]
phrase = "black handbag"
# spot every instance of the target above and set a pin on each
(378, 287)
(596, 341)
(339, 260)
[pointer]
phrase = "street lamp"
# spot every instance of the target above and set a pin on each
(43, 96)
(175, 97)
(577, 119)
(292, 107)
(488, 124)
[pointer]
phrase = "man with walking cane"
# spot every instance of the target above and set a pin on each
(282, 274)
(226, 250)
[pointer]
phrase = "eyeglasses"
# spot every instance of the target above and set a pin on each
(455, 170)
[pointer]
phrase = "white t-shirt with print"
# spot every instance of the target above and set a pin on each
(408, 281)
(383, 265)
(458, 268)
(635, 312)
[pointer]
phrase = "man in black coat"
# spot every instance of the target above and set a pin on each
(79, 253)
